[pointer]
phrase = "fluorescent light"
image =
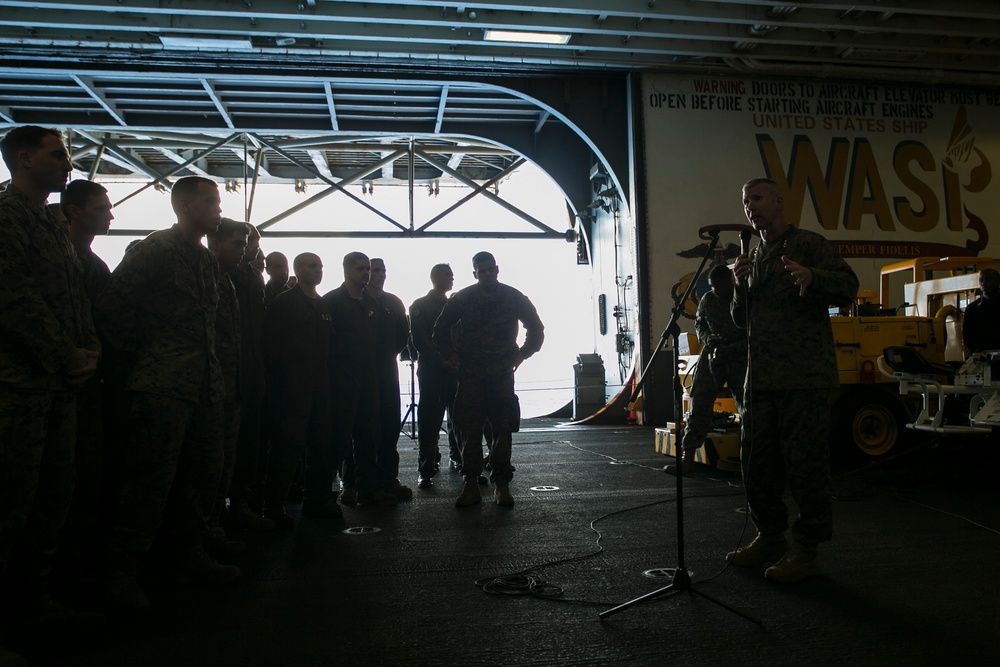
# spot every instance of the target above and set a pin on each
(526, 37)
(206, 43)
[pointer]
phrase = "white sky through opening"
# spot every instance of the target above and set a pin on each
(544, 269)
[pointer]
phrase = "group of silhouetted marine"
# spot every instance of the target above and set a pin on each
(181, 400)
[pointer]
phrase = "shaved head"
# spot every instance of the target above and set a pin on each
(302, 260)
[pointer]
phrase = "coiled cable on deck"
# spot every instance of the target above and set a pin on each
(526, 582)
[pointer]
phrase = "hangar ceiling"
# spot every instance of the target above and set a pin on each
(339, 93)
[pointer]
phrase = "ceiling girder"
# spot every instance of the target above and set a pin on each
(486, 193)
(476, 191)
(335, 186)
(960, 35)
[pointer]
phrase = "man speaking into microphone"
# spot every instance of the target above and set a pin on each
(785, 287)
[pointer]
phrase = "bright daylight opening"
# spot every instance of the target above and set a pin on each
(546, 270)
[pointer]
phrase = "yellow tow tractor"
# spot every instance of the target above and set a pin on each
(869, 413)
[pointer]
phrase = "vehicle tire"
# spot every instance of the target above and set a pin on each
(869, 421)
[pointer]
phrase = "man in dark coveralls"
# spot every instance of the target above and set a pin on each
(354, 378)
(250, 455)
(48, 348)
(160, 304)
(791, 279)
(722, 362)
(393, 332)
(437, 382)
(276, 266)
(981, 322)
(486, 354)
(228, 243)
(296, 347)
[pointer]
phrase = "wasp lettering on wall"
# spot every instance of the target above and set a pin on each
(847, 186)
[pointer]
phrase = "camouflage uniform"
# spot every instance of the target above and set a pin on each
(725, 363)
(354, 378)
(81, 534)
(296, 349)
(95, 274)
(437, 386)
(160, 306)
(250, 296)
(227, 350)
(393, 331)
(485, 340)
(44, 316)
(793, 367)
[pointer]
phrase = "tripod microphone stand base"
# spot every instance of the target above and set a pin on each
(681, 582)
(682, 579)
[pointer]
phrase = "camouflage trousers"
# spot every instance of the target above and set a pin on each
(37, 437)
(230, 437)
(710, 378)
(172, 467)
(486, 400)
(786, 442)
(84, 531)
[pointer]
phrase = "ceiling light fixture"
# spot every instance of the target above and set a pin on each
(206, 43)
(525, 37)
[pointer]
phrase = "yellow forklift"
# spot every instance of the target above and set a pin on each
(869, 413)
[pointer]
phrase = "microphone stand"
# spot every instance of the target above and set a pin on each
(682, 579)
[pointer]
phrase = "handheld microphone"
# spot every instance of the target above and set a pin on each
(745, 242)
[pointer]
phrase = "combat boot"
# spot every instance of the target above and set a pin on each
(349, 496)
(193, 565)
(242, 517)
(322, 509)
(280, 518)
(219, 545)
(470, 493)
(121, 586)
(10, 659)
(501, 494)
(687, 463)
(763, 549)
(399, 490)
(377, 498)
(799, 563)
(41, 616)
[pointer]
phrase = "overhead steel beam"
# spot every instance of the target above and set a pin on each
(476, 191)
(180, 159)
(331, 106)
(176, 169)
(121, 157)
(441, 105)
(87, 83)
(543, 116)
(320, 162)
(217, 101)
(413, 235)
(334, 186)
(252, 161)
(486, 193)
(272, 17)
